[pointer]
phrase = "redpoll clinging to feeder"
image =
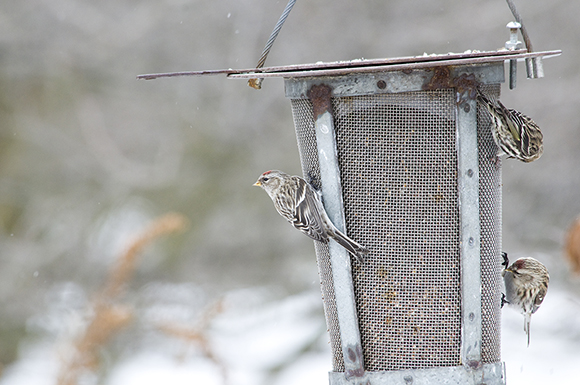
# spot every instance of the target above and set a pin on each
(526, 283)
(298, 202)
(515, 133)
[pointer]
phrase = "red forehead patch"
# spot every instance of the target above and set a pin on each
(520, 263)
(267, 172)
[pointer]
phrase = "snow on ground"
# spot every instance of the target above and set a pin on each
(149, 368)
(284, 342)
(258, 341)
(553, 356)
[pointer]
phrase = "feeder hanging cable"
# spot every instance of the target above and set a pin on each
(534, 67)
(523, 30)
(257, 82)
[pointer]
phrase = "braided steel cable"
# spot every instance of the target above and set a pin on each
(523, 30)
(257, 82)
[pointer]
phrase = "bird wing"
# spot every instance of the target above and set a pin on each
(512, 123)
(307, 216)
(506, 135)
(528, 128)
(539, 298)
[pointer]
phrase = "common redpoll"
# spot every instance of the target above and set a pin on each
(301, 205)
(526, 283)
(515, 133)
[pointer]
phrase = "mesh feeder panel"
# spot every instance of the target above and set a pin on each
(397, 155)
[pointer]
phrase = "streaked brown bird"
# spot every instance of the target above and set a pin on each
(515, 133)
(301, 205)
(526, 283)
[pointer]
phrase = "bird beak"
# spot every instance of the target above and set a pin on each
(510, 270)
(258, 184)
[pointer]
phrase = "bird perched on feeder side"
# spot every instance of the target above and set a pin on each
(526, 283)
(301, 205)
(515, 133)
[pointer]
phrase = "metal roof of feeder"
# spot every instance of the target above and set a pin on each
(338, 68)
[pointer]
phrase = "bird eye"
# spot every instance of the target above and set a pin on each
(265, 179)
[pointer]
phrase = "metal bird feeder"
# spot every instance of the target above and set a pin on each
(406, 164)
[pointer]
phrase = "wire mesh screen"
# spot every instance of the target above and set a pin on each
(398, 162)
(398, 168)
(306, 137)
(490, 221)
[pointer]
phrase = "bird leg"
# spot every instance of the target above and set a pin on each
(503, 300)
(313, 180)
(506, 261)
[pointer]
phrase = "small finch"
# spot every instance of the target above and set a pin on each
(301, 205)
(515, 133)
(526, 283)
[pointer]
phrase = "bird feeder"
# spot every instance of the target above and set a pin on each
(407, 166)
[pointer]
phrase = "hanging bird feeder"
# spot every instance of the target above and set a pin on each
(406, 164)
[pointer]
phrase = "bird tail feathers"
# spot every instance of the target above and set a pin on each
(527, 319)
(354, 248)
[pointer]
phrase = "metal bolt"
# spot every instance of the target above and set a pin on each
(382, 84)
(513, 43)
(466, 108)
(471, 241)
(470, 173)
(408, 379)
(471, 317)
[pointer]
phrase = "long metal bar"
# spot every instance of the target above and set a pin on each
(339, 257)
(468, 189)
(394, 67)
(335, 64)
(401, 63)
(490, 374)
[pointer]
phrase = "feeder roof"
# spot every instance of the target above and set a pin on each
(366, 65)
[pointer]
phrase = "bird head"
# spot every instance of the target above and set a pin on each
(270, 181)
(527, 269)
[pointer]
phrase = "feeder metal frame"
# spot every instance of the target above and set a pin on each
(462, 79)
(339, 258)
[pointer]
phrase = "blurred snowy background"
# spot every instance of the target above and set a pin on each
(89, 157)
